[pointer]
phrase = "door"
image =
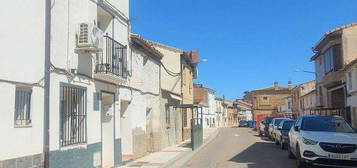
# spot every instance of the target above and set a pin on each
(107, 114)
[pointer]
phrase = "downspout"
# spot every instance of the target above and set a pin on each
(46, 110)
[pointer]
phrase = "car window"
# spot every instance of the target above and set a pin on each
(277, 121)
(287, 125)
(326, 124)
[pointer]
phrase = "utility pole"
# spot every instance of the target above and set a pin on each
(46, 111)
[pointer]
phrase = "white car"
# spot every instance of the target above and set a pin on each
(323, 141)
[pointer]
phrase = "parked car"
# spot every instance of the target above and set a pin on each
(282, 137)
(274, 126)
(323, 141)
(264, 126)
(243, 123)
(252, 123)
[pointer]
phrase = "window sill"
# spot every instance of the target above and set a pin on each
(74, 146)
(23, 126)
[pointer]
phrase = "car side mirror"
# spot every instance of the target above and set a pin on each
(296, 128)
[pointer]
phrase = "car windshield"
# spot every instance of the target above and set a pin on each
(287, 125)
(268, 120)
(243, 121)
(326, 124)
(277, 121)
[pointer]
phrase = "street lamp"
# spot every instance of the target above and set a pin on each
(298, 70)
(203, 60)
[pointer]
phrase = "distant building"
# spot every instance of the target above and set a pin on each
(244, 109)
(205, 96)
(285, 109)
(333, 54)
(221, 110)
(351, 83)
(302, 96)
(266, 100)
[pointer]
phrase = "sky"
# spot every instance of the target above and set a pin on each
(249, 44)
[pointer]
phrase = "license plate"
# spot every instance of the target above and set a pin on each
(339, 156)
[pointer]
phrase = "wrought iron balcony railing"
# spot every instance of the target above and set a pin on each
(113, 58)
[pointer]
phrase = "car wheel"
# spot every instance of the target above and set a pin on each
(290, 154)
(282, 145)
(299, 162)
(276, 142)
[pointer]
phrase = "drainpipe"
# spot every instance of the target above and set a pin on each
(46, 114)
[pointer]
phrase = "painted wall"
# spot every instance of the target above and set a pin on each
(22, 43)
(143, 112)
(171, 60)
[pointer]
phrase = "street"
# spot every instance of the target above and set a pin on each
(242, 148)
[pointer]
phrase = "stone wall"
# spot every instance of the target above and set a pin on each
(33, 161)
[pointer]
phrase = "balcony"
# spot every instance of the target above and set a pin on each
(111, 63)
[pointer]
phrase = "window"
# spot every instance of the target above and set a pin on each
(265, 100)
(184, 113)
(289, 105)
(328, 60)
(23, 106)
(167, 114)
(73, 111)
(333, 58)
(349, 81)
(320, 95)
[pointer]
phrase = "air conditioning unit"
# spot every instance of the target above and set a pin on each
(89, 38)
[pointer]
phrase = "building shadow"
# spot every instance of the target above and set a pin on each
(264, 138)
(264, 155)
(186, 145)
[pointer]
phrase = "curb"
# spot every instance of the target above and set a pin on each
(183, 158)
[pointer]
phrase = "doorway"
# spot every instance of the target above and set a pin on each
(107, 119)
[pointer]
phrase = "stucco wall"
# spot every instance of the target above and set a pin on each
(22, 43)
(171, 61)
(349, 41)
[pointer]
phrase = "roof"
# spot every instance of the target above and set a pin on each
(165, 46)
(195, 85)
(312, 91)
(272, 90)
(349, 65)
(301, 84)
(327, 37)
(146, 45)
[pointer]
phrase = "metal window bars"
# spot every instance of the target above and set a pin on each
(23, 106)
(113, 59)
(73, 115)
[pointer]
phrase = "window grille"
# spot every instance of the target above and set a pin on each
(73, 112)
(23, 106)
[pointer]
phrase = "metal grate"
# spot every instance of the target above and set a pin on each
(83, 33)
(113, 58)
(23, 106)
(73, 111)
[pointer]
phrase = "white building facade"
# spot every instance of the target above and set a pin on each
(351, 85)
(89, 68)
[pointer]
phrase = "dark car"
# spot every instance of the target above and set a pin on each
(264, 126)
(282, 136)
(273, 128)
(243, 123)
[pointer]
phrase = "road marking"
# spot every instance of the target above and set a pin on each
(236, 135)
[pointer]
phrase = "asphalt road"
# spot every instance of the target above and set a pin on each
(240, 148)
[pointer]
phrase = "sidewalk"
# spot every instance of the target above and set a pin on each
(171, 154)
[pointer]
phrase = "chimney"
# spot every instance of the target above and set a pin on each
(276, 84)
(289, 84)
